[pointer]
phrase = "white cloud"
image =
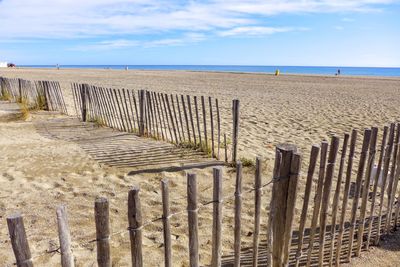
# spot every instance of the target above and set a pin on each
(254, 30)
(348, 19)
(117, 19)
(123, 43)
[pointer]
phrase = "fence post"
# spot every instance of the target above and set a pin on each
(257, 210)
(83, 100)
(238, 211)
(142, 100)
(235, 113)
(192, 209)
(67, 259)
(19, 242)
(135, 227)
(284, 189)
(19, 99)
(217, 218)
(166, 223)
(101, 212)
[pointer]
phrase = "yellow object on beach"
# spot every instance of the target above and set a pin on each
(277, 72)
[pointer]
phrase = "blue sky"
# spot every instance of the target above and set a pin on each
(221, 32)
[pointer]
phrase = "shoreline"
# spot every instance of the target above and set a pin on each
(212, 72)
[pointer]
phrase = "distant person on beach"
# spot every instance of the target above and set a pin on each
(58, 66)
(277, 72)
(126, 67)
(338, 72)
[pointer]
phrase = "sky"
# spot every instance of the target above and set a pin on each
(209, 32)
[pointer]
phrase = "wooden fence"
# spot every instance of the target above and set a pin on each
(45, 95)
(187, 121)
(355, 203)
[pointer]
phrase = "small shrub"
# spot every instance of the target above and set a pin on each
(247, 162)
(97, 121)
(5, 95)
(25, 111)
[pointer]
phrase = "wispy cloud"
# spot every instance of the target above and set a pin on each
(348, 19)
(254, 31)
(124, 43)
(115, 19)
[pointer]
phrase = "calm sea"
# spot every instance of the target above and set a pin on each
(358, 71)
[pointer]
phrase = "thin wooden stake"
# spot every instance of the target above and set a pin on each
(192, 210)
(176, 118)
(198, 120)
(172, 119)
(19, 241)
(235, 111)
(218, 128)
(203, 107)
(135, 226)
(311, 169)
(67, 258)
(238, 211)
(191, 119)
(141, 112)
(180, 118)
(317, 199)
(257, 209)
(101, 212)
(185, 113)
(217, 218)
(225, 148)
(212, 128)
(166, 224)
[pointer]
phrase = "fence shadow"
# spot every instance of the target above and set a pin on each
(246, 255)
(123, 150)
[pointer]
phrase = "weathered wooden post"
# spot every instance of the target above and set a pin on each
(284, 189)
(101, 212)
(19, 91)
(166, 224)
(67, 258)
(19, 242)
(238, 212)
(257, 210)
(84, 89)
(142, 103)
(235, 113)
(192, 209)
(135, 226)
(217, 218)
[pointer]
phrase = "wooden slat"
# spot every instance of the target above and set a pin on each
(311, 169)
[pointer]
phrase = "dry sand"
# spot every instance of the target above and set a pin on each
(38, 173)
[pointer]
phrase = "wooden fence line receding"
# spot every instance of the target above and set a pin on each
(46, 95)
(172, 118)
(357, 226)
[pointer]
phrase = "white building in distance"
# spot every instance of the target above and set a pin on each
(3, 64)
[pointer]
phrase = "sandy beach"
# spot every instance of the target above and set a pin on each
(38, 172)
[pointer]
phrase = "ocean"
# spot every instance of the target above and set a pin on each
(354, 71)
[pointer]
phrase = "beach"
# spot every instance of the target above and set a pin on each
(39, 173)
